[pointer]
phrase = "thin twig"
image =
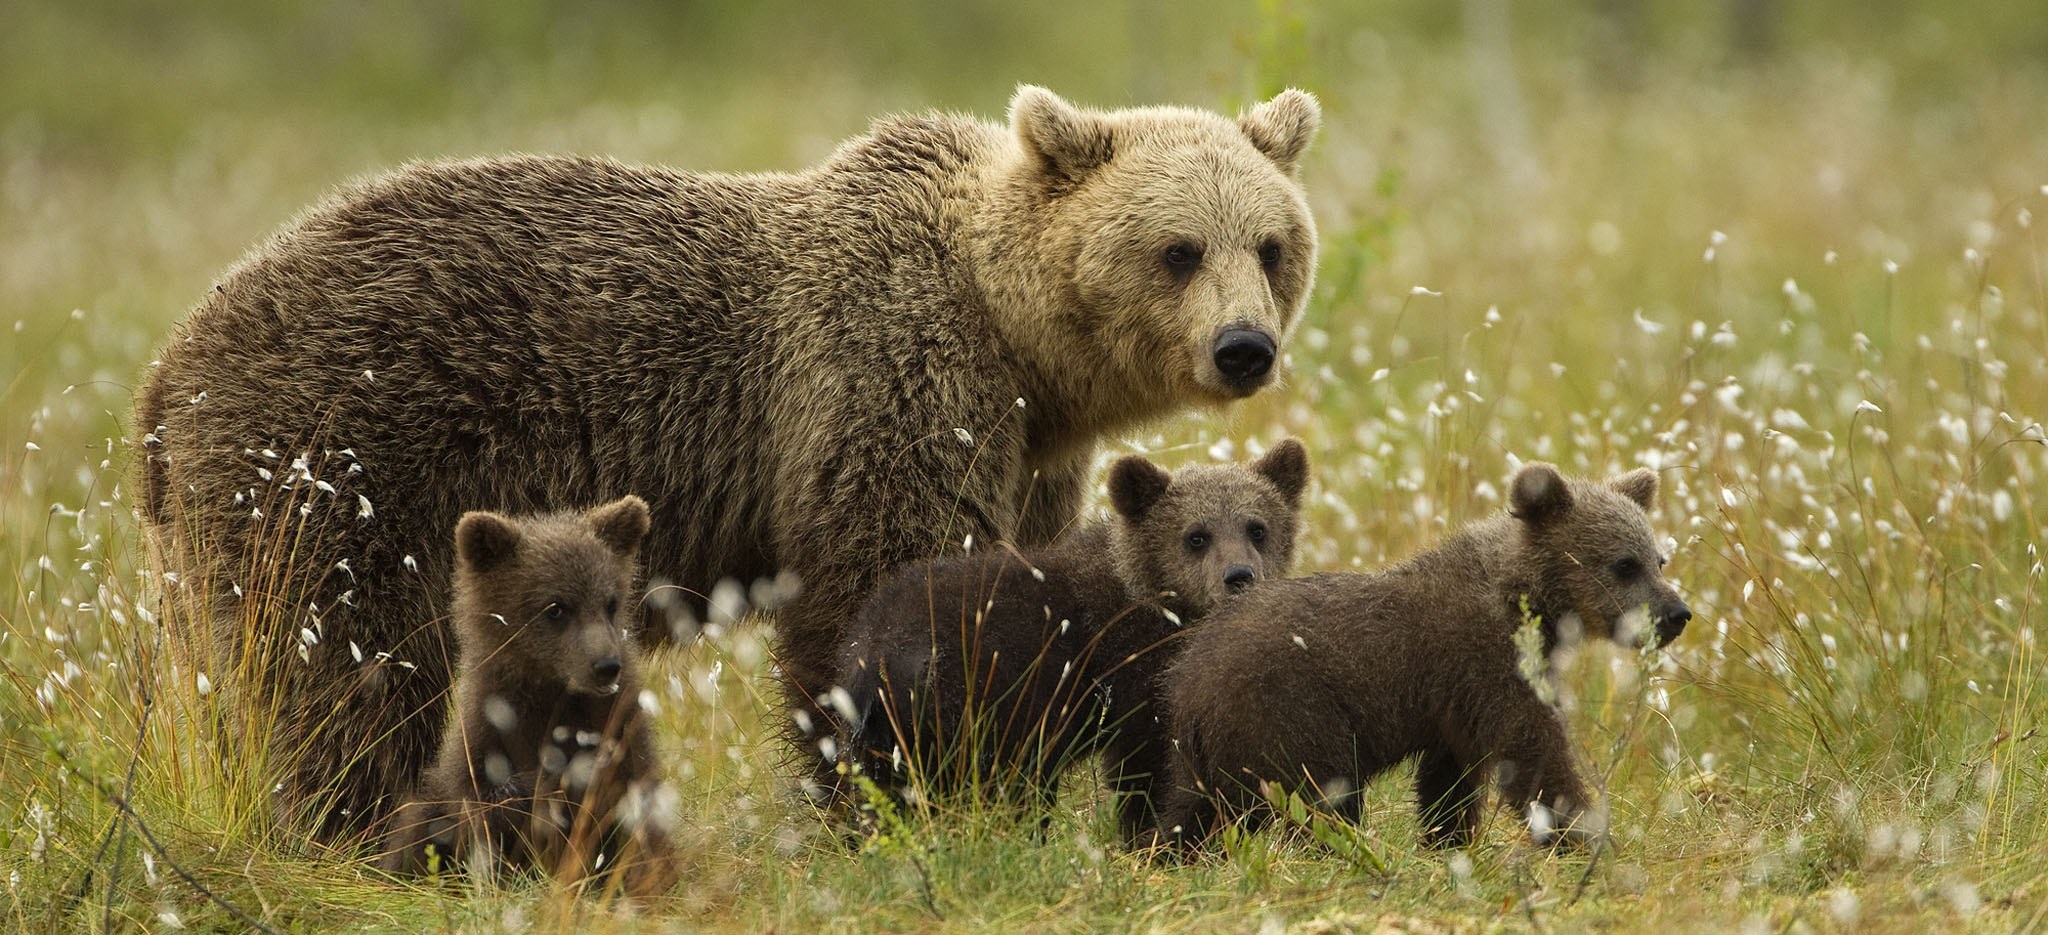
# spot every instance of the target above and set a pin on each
(107, 839)
(120, 802)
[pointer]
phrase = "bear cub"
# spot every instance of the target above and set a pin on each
(548, 762)
(1316, 685)
(991, 673)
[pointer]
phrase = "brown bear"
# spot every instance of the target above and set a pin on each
(1316, 685)
(547, 763)
(992, 673)
(824, 373)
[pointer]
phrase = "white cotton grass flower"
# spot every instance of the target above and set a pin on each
(1963, 897)
(728, 602)
(841, 702)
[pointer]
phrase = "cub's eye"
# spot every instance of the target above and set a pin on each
(1256, 532)
(1181, 258)
(1197, 541)
(555, 611)
(1627, 568)
(611, 607)
(1270, 254)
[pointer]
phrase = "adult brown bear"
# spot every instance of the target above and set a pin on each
(817, 373)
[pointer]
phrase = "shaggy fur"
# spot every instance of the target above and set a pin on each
(818, 373)
(992, 673)
(548, 763)
(1316, 685)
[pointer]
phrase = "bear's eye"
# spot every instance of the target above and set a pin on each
(1627, 568)
(1198, 540)
(611, 607)
(1269, 254)
(1181, 258)
(1256, 532)
(555, 611)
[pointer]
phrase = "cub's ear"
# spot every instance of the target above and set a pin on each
(1135, 484)
(1282, 127)
(621, 524)
(1287, 467)
(1639, 485)
(1538, 494)
(1067, 143)
(485, 540)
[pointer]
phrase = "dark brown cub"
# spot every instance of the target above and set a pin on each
(1316, 685)
(989, 674)
(547, 764)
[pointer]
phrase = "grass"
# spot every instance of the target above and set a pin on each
(1812, 292)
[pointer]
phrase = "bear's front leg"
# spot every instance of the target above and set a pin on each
(421, 838)
(1531, 755)
(1140, 774)
(870, 510)
(1448, 797)
(1053, 496)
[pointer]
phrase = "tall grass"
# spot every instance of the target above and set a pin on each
(1811, 294)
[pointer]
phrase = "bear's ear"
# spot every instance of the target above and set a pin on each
(1135, 484)
(485, 540)
(621, 524)
(1639, 485)
(1282, 127)
(1287, 467)
(1538, 494)
(1066, 142)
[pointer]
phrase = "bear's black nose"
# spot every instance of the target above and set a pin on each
(1243, 356)
(1672, 622)
(1238, 577)
(606, 670)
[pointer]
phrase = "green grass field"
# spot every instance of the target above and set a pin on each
(1803, 278)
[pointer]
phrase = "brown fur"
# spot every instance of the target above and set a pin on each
(815, 372)
(548, 763)
(1316, 685)
(992, 673)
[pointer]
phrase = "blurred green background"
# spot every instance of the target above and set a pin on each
(146, 145)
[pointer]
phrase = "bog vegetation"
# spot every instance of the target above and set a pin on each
(1791, 259)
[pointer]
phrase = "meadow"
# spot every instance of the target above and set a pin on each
(1802, 278)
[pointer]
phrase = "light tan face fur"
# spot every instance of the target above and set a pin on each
(1178, 226)
(1206, 532)
(550, 598)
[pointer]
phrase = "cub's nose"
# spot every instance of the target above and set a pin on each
(606, 670)
(1242, 355)
(1672, 622)
(1238, 577)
